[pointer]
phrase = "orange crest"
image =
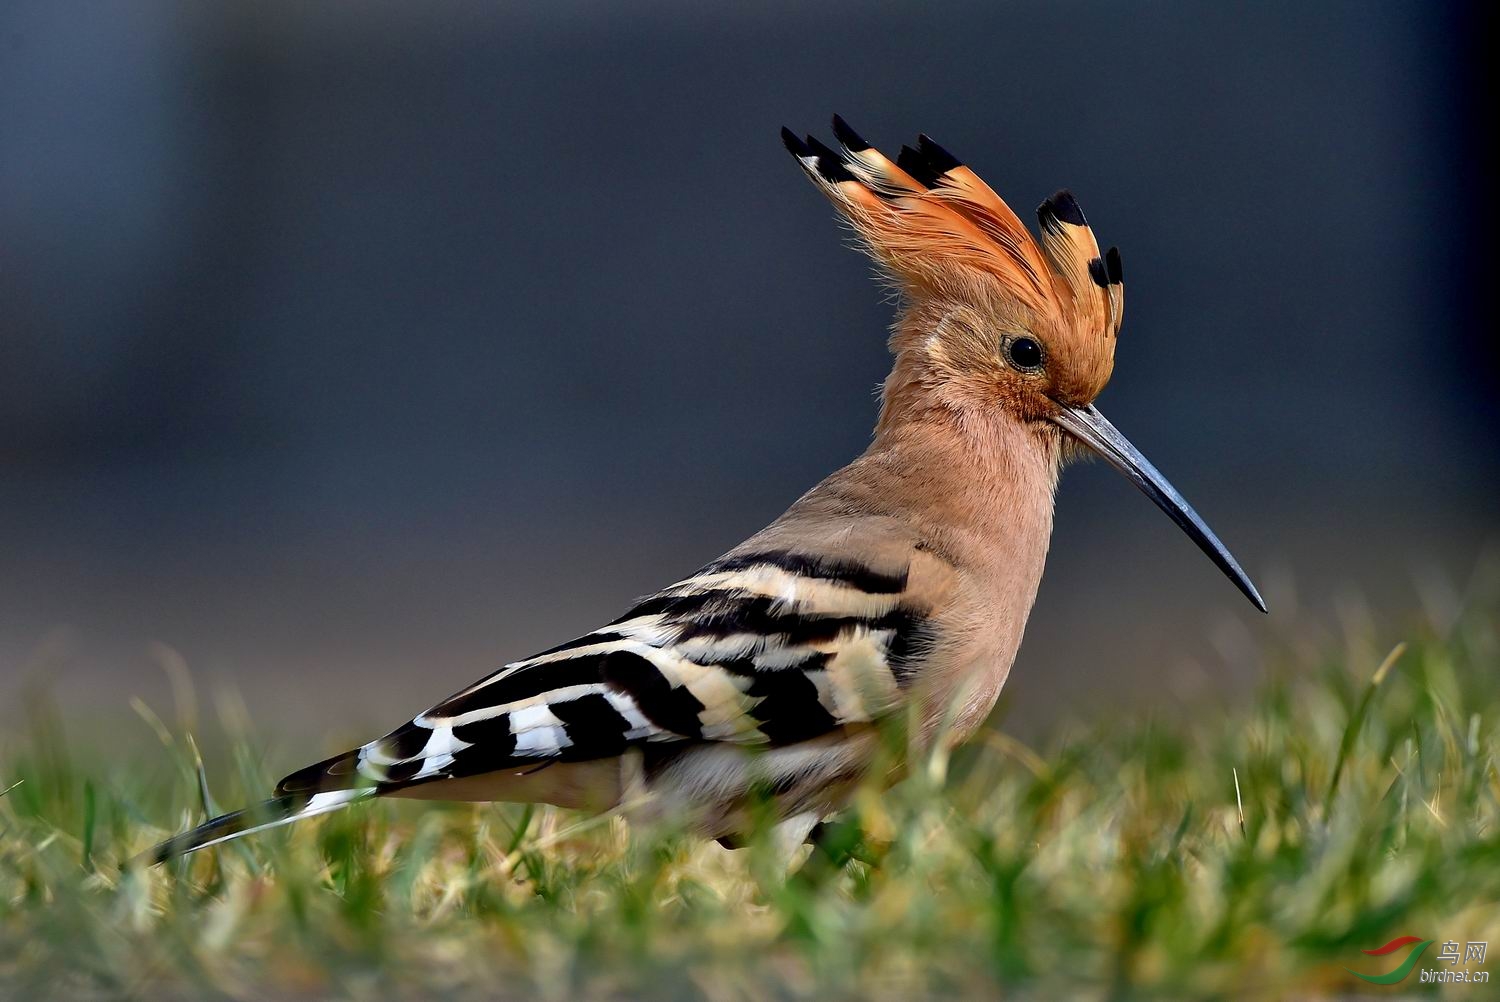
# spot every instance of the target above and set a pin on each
(934, 225)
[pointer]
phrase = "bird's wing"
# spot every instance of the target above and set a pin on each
(767, 647)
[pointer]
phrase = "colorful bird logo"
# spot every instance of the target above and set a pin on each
(1406, 965)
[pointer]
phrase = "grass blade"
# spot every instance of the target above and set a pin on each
(90, 817)
(1357, 719)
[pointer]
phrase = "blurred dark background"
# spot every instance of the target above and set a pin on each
(352, 350)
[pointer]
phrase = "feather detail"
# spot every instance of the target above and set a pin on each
(953, 245)
(273, 813)
(1074, 256)
(958, 185)
(1116, 277)
(760, 649)
(918, 235)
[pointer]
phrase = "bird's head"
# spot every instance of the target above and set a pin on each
(994, 319)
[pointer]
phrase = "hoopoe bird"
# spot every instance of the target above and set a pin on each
(901, 583)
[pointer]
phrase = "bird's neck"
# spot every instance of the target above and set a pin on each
(977, 474)
(978, 487)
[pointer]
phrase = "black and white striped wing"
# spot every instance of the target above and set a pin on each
(768, 649)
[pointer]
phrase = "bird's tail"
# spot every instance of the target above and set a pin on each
(305, 794)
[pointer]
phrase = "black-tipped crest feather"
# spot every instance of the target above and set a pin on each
(939, 158)
(851, 140)
(830, 164)
(916, 165)
(1099, 273)
(1112, 266)
(1061, 207)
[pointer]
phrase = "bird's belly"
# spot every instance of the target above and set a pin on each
(710, 786)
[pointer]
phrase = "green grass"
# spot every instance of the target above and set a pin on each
(1110, 859)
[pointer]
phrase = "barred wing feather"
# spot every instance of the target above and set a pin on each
(769, 648)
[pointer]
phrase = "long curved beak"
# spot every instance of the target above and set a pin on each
(1088, 426)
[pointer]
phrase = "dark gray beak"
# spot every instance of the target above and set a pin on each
(1088, 426)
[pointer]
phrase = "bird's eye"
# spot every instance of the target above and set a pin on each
(1024, 353)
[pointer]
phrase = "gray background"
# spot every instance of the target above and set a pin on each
(353, 350)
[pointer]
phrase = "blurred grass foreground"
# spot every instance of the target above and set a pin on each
(1250, 847)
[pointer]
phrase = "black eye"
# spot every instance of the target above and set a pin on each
(1024, 353)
